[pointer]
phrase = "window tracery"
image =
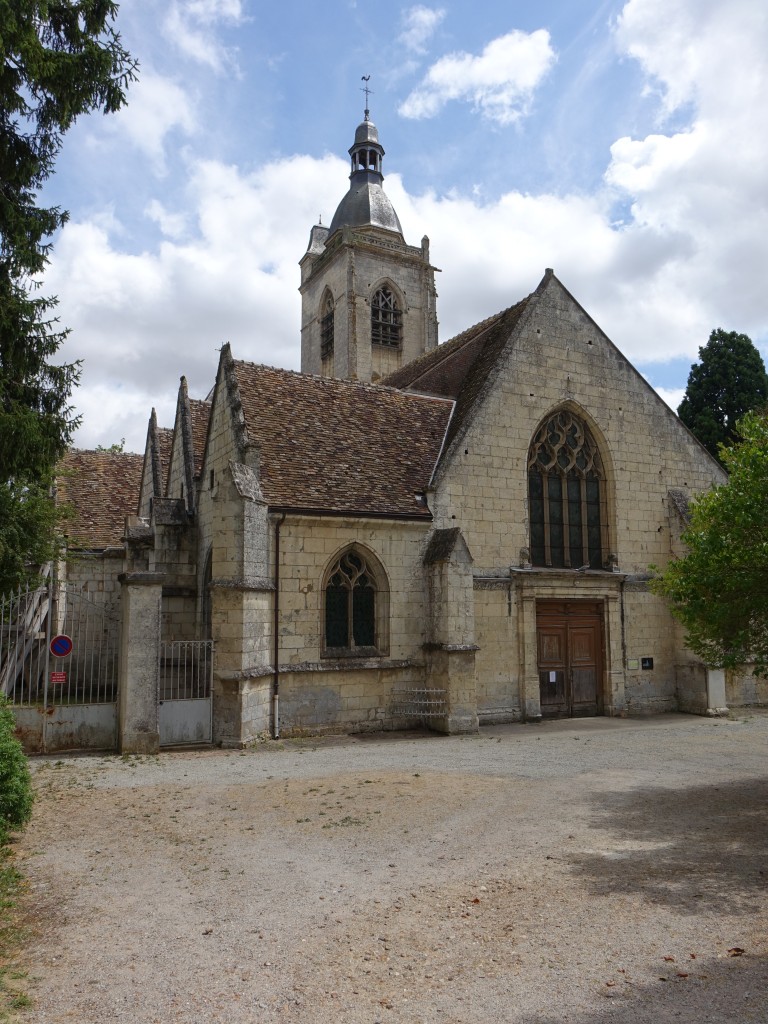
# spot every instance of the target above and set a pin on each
(566, 493)
(351, 595)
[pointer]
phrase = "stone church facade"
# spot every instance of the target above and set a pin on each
(406, 532)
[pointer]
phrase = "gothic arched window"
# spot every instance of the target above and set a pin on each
(354, 612)
(326, 327)
(566, 495)
(386, 318)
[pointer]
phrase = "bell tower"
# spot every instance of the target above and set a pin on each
(368, 300)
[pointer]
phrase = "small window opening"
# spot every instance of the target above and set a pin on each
(326, 328)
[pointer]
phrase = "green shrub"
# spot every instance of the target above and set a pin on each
(15, 781)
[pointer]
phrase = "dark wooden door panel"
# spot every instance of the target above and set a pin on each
(553, 643)
(570, 658)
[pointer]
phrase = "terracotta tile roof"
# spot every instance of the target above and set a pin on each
(200, 413)
(103, 488)
(459, 368)
(338, 445)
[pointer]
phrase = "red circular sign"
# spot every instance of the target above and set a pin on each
(61, 646)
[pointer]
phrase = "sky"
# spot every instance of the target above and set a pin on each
(623, 144)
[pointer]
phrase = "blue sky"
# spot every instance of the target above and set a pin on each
(624, 144)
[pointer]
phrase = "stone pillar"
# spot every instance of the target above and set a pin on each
(530, 689)
(448, 564)
(141, 601)
(716, 700)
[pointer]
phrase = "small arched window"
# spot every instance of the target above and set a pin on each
(386, 318)
(326, 327)
(353, 607)
(566, 495)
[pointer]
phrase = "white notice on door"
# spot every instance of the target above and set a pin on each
(553, 677)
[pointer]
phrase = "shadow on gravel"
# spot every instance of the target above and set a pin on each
(683, 848)
(729, 991)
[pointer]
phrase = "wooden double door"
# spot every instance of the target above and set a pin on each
(570, 657)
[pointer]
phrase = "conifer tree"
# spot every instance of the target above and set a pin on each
(58, 59)
(728, 381)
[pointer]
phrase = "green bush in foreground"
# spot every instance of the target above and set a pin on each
(15, 781)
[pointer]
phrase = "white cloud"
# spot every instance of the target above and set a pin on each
(419, 23)
(672, 396)
(688, 256)
(157, 107)
(500, 82)
(191, 26)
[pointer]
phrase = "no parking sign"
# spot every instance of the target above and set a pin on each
(61, 646)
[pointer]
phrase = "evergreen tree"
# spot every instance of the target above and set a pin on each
(58, 59)
(727, 382)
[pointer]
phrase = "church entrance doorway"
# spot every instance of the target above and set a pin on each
(569, 638)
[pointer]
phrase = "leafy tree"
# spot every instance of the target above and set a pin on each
(15, 783)
(728, 382)
(719, 590)
(58, 59)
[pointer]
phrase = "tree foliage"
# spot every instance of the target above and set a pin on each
(58, 59)
(719, 590)
(15, 782)
(728, 381)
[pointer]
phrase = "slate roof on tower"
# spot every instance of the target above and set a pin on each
(338, 445)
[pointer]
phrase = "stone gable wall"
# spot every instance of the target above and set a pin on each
(561, 357)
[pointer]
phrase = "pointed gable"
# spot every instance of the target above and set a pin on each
(338, 445)
(157, 456)
(188, 446)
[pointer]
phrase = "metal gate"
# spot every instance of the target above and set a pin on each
(67, 702)
(185, 675)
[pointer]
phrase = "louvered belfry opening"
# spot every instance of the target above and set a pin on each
(386, 319)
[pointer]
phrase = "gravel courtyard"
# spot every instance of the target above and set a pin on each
(583, 871)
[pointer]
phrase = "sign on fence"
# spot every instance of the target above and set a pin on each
(61, 646)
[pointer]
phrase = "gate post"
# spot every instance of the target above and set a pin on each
(139, 646)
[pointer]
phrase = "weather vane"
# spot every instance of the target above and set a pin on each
(367, 91)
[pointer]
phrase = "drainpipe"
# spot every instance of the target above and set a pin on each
(276, 638)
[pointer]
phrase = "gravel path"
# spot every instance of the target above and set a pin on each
(599, 870)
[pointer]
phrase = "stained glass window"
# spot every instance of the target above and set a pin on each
(350, 604)
(566, 485)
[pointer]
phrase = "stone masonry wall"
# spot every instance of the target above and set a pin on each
(561, 357)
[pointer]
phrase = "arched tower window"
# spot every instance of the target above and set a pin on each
(355, 606)
(566, 495)
(326, 326)
(386, 318)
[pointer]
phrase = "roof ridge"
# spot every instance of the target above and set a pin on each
(333, 382)
(433, 358)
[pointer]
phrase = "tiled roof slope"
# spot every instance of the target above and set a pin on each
(102, 488)
(459, 368)
(200, 413)
(338, 445)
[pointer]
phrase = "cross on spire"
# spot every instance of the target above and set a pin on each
(367, 91)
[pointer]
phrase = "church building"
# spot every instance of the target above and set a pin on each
(412, 533)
